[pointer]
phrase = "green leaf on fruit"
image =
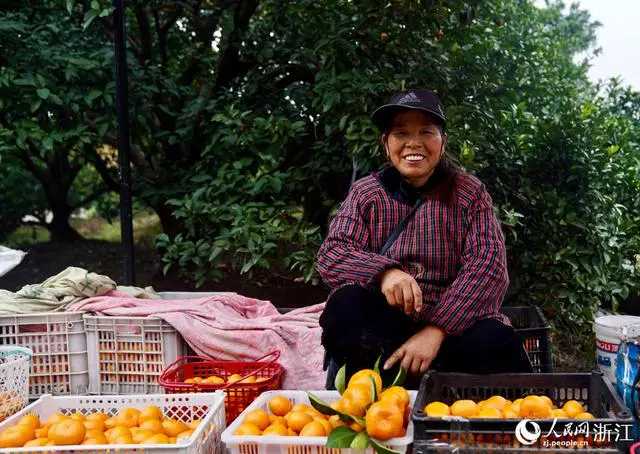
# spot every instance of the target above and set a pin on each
(374, 389)
(341, 378)
(376, 366)
(320, 405)
(325, 409)
(344, 417)
(400, 377)
(341, 437)
(381, 449)
(360, 442)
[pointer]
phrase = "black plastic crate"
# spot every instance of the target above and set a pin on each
(445, 448)
(532, 325)
(475, 434)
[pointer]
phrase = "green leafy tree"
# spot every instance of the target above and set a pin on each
(250, 119)
(20, 195)
(558, 155)
(47, 97)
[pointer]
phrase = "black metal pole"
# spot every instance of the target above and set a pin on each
(124, 163)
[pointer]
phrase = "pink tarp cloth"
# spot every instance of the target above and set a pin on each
(233, 327)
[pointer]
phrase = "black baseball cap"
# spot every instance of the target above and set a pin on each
(424, 100)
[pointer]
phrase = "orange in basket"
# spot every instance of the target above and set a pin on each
(243, 381)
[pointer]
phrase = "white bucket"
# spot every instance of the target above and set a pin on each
(608, 331)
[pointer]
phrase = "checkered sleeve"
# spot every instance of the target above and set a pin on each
(482, 281)
(345, 257)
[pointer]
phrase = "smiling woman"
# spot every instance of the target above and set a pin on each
(430, 296)
(415, 145)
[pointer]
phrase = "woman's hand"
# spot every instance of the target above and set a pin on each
(419, 351)
(401, 290)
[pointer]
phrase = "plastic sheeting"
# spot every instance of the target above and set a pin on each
(9, 259)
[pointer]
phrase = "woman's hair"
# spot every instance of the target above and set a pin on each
(444, 188)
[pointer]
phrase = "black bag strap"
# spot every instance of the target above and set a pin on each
(392, 238)
(401, 226)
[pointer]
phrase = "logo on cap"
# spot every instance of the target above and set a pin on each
(410, 98)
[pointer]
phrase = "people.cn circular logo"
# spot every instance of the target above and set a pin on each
(525, 435)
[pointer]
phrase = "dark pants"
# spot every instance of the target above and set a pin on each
(359, 326)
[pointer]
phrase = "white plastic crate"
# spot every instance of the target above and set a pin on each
(14, 379)
(184, 407)
(59, 345)
(264, 444)
(128, 354)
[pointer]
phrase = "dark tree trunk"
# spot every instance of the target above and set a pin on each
(331, 187)
(170, 225)
(59, 227)
(57, 187)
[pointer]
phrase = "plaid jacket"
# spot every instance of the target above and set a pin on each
(455, 252)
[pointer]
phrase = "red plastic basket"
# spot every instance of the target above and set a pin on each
(239, 395)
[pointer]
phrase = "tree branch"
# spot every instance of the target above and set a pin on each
(171, 5)
(162, 44)
(230, 65)
(62, 171)
(224, 4)
(146, 47)
(194, 149)
(205, 28)
(36, 171)
(74, 169)
(90, 198)
(297, 73)
(162, 30)
(108, 29)
(102, 169)
(137, 155)
(230, 60)
(171, 20)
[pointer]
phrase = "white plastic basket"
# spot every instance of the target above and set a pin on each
(14, 379)
(128, 354)
(184, 407)
(265, 444)
(59, 345)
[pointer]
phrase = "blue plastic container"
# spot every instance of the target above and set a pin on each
(627, 373)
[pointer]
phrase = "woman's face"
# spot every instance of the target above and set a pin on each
(414, 144)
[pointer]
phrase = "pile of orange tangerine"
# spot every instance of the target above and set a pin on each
(129, 426)
(287, 419)
(497, 407)
(385, 418)
(235, 378)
